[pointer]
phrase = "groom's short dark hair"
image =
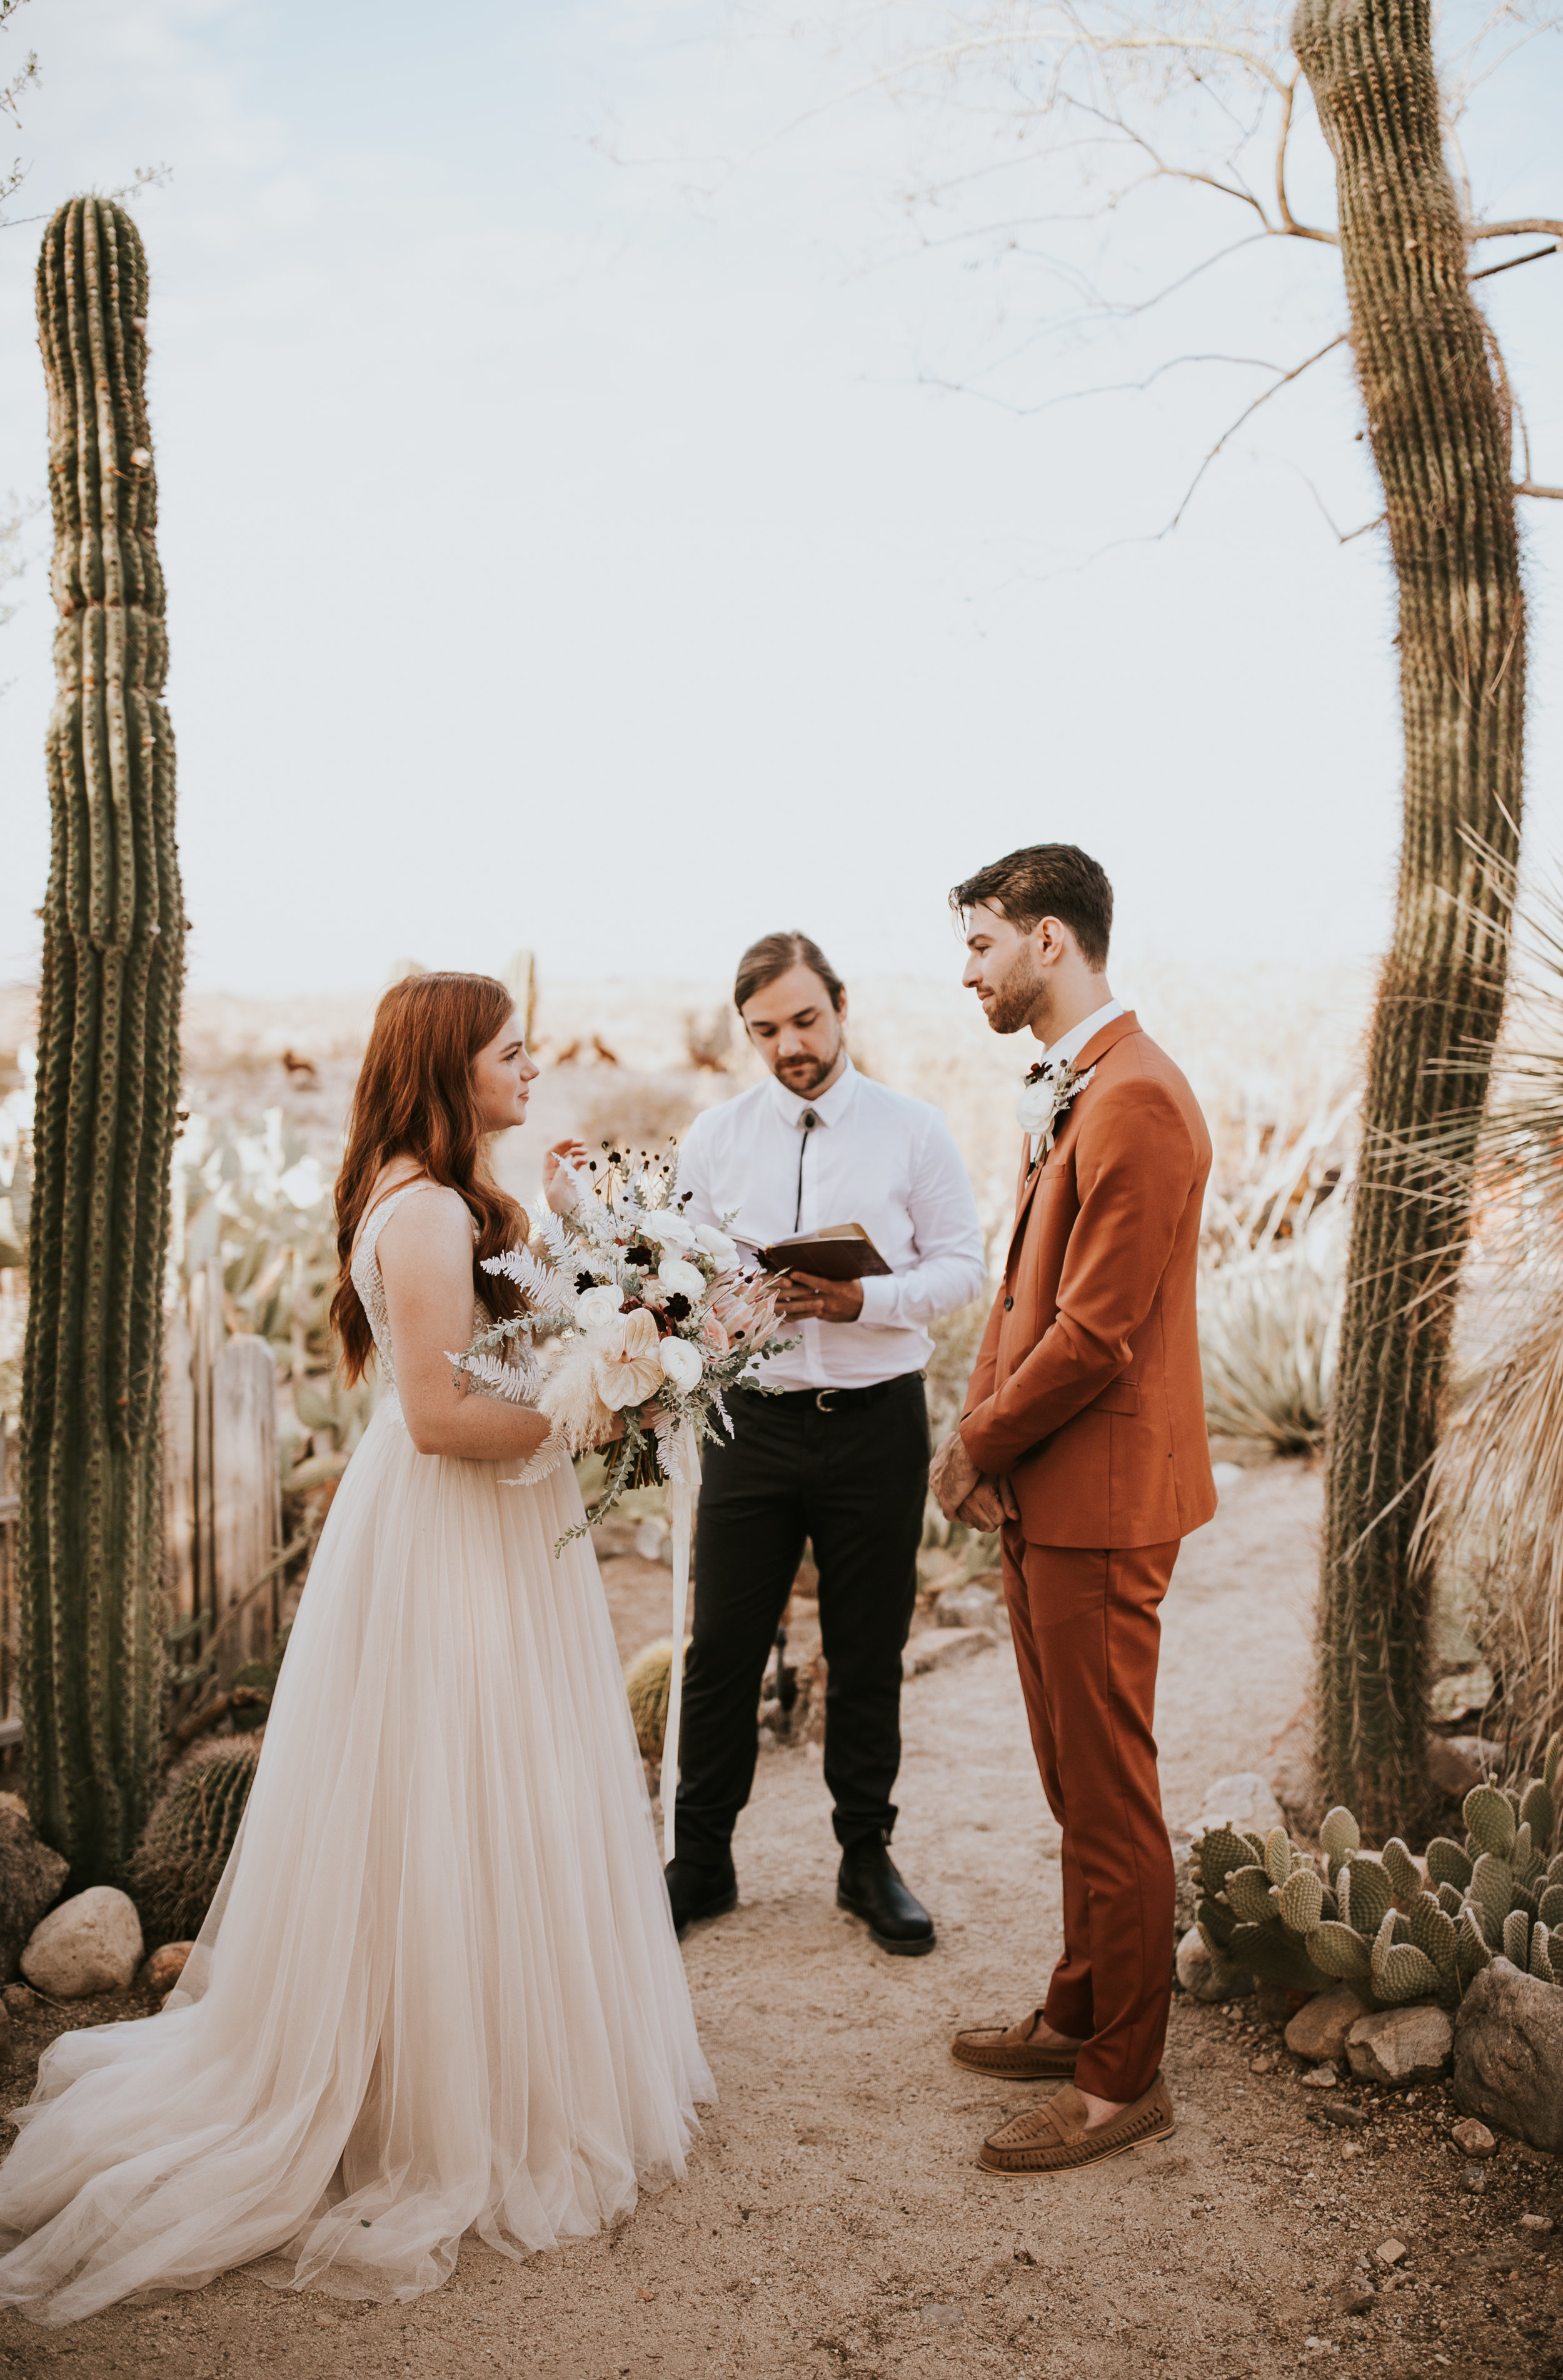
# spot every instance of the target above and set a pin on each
(1046, 880)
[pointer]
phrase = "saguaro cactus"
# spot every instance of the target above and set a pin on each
(108, 1057)
(1439, 428)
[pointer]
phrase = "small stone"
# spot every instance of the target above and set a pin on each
(1359, 2301)
(18, 2000)
(1402, 2044)
(1320, 2078)
(1201, 1977)
(1320, 2027)
(1509, 2054)
(942, 2317)
(1465, 1696)
(165, 1967)
(1390, 2252)
(1353, 2148)
(1339, 2111)
(31, 1879)
(1473, 2180)
(1472, 2137)
(91, 1943)
(967, 1606)
(935, 1648)
(1267, 2066)
(1536, 2222)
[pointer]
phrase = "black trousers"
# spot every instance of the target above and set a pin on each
(855, 1482)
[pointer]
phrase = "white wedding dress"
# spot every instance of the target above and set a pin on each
(438, 1991)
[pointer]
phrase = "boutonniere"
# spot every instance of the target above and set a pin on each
(1048, 1091)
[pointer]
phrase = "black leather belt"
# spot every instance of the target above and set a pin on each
(842, 1400)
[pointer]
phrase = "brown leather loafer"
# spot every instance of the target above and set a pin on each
(1053, 2138)
(1014, 2055)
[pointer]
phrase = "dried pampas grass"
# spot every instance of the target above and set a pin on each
(569, 1397)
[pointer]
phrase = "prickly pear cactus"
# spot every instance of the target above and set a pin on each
(1267, 1908)
(180, 1858)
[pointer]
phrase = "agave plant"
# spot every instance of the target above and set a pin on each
(1394, 1928)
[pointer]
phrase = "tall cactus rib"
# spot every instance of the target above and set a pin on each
(1440, 435)
(114, 930)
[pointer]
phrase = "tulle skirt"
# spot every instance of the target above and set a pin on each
(439, 1989)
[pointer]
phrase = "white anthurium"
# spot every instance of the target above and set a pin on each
(669, 1231)
(680, 1278)
(717, 1246)
(596, 1307)
(681, 1363)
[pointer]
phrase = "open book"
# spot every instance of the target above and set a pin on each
(841, 1252)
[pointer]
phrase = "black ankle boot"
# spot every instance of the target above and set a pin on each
(869, 1885)
(696, 1891)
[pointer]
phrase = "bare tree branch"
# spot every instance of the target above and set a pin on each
(1230, 431)
(1289, 220)
(1530, 488)
(1514, 230)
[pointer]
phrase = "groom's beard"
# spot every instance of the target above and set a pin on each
(1014, 1001)
(803, 1077)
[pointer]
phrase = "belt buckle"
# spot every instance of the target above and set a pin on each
(820, 1397)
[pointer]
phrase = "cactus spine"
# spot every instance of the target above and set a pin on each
(1441, 444)
(108, 1060)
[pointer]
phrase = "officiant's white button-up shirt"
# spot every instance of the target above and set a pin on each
(873, 1157)
(1068, 1046)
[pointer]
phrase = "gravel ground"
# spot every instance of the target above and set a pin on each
(834, 2220)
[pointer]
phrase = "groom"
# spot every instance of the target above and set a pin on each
(1084, 1441)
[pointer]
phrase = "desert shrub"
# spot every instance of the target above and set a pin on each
(1268, 1323)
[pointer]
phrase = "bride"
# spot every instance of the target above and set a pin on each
(438, 1991)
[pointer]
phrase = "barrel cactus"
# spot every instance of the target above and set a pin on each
(91, 1516)
(179, 1860)
(1289, 1917)
(648, 1682)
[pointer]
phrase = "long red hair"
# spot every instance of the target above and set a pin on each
(414, 1099)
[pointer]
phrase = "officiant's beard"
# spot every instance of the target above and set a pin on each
(803, 1075)
(1022, 998)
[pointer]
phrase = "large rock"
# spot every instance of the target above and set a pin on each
(1244, 1800)
(967, 1606)
(1202, 1978)
(91, 1943)
(1456, 1763)
(31, 1880)
(1509, 2055)
(1321, 2027)
(1401, 2046)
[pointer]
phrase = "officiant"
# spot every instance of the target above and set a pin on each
(840, 1457)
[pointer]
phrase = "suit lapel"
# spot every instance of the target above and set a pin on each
(1097, 1047)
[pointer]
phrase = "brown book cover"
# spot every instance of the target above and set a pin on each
(841, 1252)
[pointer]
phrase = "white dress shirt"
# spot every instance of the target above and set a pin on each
(873, 1157)
(1067, 1048)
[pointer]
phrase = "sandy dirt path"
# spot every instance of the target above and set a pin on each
(834, 2220)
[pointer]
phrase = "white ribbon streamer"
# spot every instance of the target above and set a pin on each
(684, 1475)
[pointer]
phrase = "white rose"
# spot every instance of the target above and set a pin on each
(595, 1306)
(678, 1277)
(717, 1246)
(1034, 1108)
(681, 1363)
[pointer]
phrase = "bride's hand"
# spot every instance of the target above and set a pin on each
(559, 1187)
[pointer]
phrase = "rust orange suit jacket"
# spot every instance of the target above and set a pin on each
(1087, 1389)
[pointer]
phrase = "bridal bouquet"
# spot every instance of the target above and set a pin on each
(631, 1316)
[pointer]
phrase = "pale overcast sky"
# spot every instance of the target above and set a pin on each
(566, 544)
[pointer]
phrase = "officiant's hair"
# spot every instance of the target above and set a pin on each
(1046, 880)
(414, 1098)
(772, 955)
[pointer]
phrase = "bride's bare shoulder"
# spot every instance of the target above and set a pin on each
(437, 1223)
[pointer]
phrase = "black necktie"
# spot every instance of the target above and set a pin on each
(806, 1123)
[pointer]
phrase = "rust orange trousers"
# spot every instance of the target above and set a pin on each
(1087, 1633)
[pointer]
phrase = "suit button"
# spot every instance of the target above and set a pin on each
(1008, 1302)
